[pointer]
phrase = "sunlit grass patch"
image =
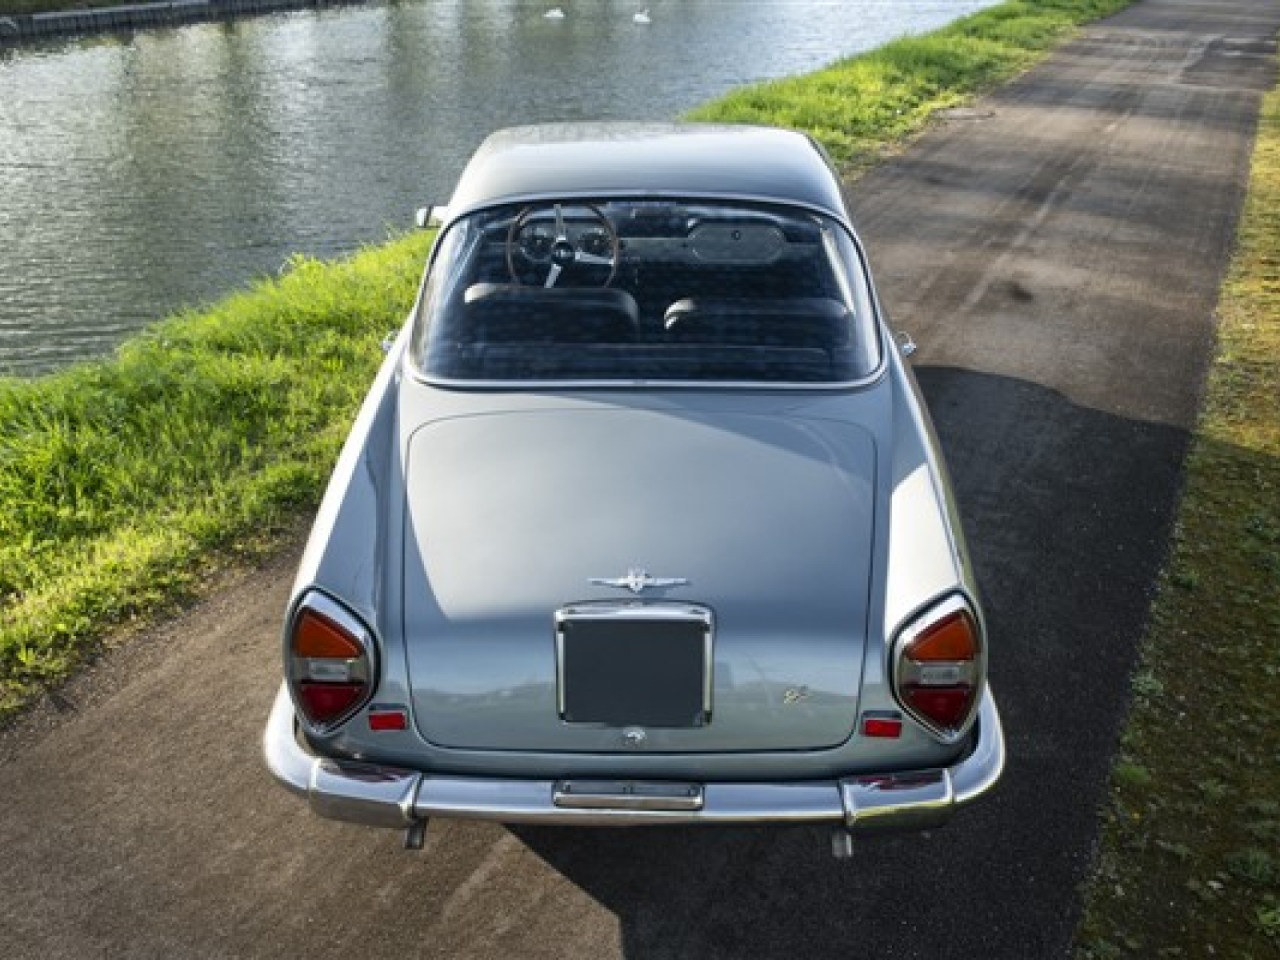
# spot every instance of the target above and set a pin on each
(121, 479)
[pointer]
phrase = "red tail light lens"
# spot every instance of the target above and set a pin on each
(329, 660)
(321, 700)
(945, 709)
(938, 668)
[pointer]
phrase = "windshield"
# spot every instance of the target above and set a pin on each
(646, 291)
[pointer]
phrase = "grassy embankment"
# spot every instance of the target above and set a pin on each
(1190, 858)
(122, 481)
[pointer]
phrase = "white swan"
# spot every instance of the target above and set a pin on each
(555, 13)
(642, 16)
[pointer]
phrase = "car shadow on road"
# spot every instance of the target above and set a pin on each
(1068, 512)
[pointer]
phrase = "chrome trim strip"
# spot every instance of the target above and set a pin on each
(708, 670)
(393, 797)
(634, 610)
(627, 795)
(562, 703)
(755, 386)
(840, 216)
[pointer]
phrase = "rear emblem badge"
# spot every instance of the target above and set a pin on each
(638, 580)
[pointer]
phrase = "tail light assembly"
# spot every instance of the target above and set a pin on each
(939, 666)
(329, 661)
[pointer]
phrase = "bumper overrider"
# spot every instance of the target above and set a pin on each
(383, 796)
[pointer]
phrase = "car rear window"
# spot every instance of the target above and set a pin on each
(646, 291)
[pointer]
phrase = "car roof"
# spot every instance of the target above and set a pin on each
(641, 160)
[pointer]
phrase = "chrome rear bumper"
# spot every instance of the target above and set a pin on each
(393, 797)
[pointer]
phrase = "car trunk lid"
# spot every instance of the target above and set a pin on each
(761, 526)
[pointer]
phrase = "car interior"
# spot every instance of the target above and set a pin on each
(643, 291)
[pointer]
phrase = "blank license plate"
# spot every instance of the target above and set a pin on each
(642, 672)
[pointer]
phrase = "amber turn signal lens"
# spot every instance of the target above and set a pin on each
(954, 637)
(316, 636)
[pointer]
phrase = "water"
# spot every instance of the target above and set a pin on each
(144, 173)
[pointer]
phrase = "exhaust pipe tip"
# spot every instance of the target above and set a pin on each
(415, 835)
(842, 843)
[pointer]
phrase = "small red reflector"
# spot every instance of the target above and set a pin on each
(324, 702)
(388, 720)
(889, 727)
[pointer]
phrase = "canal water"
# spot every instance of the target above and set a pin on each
(143, 173)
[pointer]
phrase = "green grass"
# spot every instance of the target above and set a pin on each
(120, 480)
(1190, 855)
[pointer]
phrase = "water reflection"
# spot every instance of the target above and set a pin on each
(142, 173)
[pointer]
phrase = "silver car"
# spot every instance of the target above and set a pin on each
(643, 520)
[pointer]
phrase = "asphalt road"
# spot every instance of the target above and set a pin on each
(1057, 253)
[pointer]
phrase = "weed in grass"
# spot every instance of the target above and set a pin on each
(1147, 686)
(1264, 830)
(1205, 892)
(1179, 851)
(1254, 865)
(1213, 791)
(1101, 950)
(1267, 917)
(1263, 527)
(1132, 775)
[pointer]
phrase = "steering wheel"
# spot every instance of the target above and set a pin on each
(542, 236)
